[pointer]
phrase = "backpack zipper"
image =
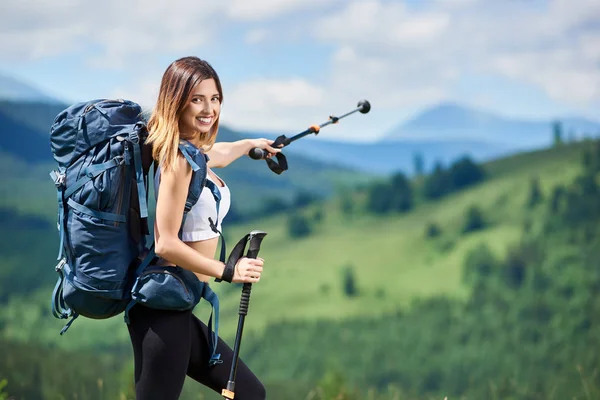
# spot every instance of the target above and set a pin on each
(93, 105)
(164, 271)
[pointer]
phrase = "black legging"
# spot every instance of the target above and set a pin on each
(168, 345)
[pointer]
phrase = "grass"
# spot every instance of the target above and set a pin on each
(393, 261)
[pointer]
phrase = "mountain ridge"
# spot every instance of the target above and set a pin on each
(452, 119)
(18, 90)
(440, 133)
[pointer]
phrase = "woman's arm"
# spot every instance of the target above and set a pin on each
(169, 213)
(224, 153)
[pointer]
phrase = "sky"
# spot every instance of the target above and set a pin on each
(287, 64)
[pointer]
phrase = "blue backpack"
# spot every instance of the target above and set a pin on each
(101, 184)
(102, 194)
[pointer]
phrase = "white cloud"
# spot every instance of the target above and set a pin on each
(264, 9)
(117, 31)
(397, 55)
(417, 54)
(382, 25)
(402, 58)
(557, 72)
(273, 104)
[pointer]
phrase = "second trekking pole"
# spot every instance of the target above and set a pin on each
(254, 239)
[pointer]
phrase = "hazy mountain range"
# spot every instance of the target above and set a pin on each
(441, 133)
(16, 90)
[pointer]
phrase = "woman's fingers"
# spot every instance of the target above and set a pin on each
(268, 146)
(271, 149)
(250, 269)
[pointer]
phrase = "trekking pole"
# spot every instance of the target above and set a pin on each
(255, 238)
(256, 153)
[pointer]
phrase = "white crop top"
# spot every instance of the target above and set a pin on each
(196, 226)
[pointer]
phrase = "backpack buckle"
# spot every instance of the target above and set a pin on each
(134, 137)
(60, 264)
(58, 179)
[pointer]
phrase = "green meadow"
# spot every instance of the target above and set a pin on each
(409, 326)
(393, 260)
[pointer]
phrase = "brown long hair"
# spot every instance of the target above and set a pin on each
(178, 81)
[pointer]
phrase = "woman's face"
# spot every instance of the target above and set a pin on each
(201, 112)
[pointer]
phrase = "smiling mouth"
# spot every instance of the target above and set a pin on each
(204, 120)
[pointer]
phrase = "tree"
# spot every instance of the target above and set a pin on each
(273, 205)
(298, 226)
(379, 198)
(557, 133)
(474, 220)
(349, 281)
(479, 264)
(558, 194)
(347, 204)
(402, 194)
(436, 184)
(463, 173)
(304, 198)
(419, 164)
(588, 160)
(535, 193)
(432, 230)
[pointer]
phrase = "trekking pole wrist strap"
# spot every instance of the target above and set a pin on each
(228, 272)
(234, 256)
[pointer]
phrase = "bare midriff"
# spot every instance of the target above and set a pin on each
(206, 247)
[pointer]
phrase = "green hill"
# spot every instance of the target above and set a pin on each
(393, 260)
(26, 160)
(410, 295)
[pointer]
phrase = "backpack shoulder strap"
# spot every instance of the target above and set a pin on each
(198, 160)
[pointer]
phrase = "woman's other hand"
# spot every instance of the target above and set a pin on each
(248, 270)
(264, 144)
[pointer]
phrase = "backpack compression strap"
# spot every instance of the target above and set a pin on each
(59, 182)
(59, 307)
(213, 337)
(134, 137)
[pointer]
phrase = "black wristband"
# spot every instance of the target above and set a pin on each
(227, 275)
(234, 257)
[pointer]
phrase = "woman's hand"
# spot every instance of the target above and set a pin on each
(247, 270)
(264, 144)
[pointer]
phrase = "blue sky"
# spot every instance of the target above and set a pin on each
(286, 64)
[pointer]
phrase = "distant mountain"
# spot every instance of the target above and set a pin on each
(17, 90)
(451, 121)
(442, 133)
(36, 115)
(390, 156)
(24, 141)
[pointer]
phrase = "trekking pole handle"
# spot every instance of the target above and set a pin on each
(255, 239)
(256, 153)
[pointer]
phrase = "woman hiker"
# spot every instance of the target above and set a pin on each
(170, 345)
